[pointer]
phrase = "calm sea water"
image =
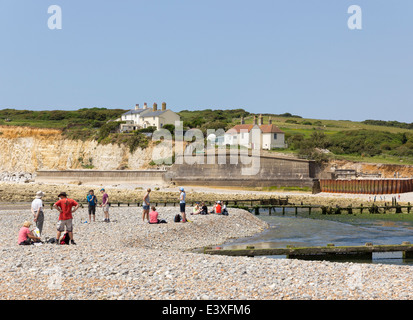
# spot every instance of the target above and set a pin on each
(344, 230)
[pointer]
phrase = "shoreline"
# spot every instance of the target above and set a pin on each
(24, 192)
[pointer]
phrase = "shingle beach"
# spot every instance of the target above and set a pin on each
(128, 259)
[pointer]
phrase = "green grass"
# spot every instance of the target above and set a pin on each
(90, 123)
(384, 159)
(329, 126)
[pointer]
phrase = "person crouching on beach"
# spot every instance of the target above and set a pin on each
(26, 236)
(145, 205)
(204, 208)
(66, 207)
(153, 217)
(218, 208)
(196, 210)
(213, 208)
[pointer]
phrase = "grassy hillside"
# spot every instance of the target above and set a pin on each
(369, 141)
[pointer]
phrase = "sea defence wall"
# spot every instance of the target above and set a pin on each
(367, 186)
(101, 176)
(272, 171)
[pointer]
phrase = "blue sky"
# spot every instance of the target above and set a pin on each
(265, 56)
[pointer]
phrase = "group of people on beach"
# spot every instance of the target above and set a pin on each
(200, 208)
(152, 216)
(67, 206)
(218, 208)
(383, 198)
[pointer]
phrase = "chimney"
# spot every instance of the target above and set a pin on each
(269, 120)
(163, 106)
(145, 105)
(137, 106)
(261, 120)
(255, 119)
(242, 120)
(155, 107)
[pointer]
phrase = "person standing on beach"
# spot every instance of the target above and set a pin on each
(105, 204)
(66, 208)
(37, 210)
(182, 196)
(92, 201)
(146, 205)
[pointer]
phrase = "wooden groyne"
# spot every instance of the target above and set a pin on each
(367, 186)
(272, 206)
(245, 203)
(327, 210)
(316, 253)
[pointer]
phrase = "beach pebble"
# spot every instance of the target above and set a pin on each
(128, 259)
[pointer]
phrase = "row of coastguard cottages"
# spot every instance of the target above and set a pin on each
(145, 117)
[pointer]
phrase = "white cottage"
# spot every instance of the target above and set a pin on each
(241, 134)
(271, 136)
(146, 117)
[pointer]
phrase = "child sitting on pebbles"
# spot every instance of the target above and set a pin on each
(153, 217)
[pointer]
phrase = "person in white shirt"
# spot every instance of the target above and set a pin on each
(37, 210)
(182, 197)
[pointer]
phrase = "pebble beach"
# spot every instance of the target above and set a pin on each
(128, 259)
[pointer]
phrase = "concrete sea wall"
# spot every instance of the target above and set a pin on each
(101, 176)
(272, 171)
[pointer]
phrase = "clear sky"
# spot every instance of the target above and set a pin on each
(266, 56)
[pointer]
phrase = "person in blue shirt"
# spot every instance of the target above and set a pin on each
(92, 201)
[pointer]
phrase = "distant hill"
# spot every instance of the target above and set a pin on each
(321, 140)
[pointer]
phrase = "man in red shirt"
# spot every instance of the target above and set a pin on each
(66, 207)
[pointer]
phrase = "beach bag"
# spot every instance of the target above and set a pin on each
(178, 218)
(51, 240)
(65, 239)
